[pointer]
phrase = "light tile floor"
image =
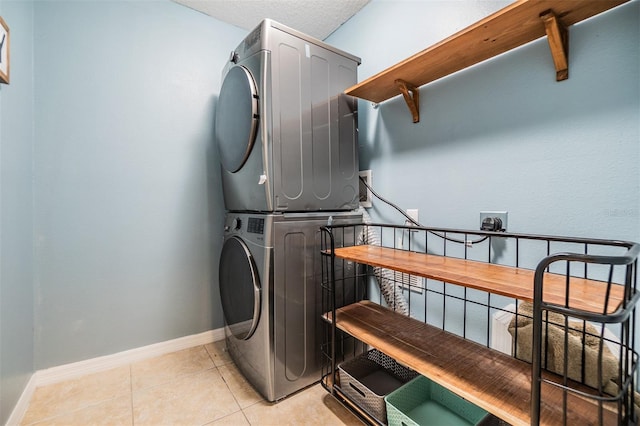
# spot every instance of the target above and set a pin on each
(196, 386)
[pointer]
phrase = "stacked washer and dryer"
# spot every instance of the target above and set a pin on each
(287, 141)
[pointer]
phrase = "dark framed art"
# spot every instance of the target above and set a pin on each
(4, 52)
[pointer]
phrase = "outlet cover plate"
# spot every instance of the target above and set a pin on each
(413, 214)
(365, 193)
(503, 215)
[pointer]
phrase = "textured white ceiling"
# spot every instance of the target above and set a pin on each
(317, 18)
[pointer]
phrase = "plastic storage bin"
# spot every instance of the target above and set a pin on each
(367, 379)
(423, 402)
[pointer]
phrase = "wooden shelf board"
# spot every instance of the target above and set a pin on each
(586, 295)
(510, 27)
(492, 380)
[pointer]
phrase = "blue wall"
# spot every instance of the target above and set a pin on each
(16, 210)
(128, 200)
(562, 158)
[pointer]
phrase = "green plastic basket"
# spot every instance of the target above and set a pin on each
(421, 402)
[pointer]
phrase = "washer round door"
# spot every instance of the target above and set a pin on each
(239, 288)
(236, 118)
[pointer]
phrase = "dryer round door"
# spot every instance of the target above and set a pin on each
(236, 118)
(239, 288)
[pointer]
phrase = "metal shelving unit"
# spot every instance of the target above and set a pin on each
(455, 282)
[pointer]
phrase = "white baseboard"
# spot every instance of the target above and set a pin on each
(76, 369)
(94, 365)
(23, 403)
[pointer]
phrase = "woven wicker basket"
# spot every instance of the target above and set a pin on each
(368, 378)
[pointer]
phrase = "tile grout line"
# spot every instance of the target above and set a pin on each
(217, 367)
(245, 414)
(231, 392)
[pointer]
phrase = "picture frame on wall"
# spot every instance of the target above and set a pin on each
(4, 52)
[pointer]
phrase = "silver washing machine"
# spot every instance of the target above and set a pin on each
(270, 276)
(286, 133)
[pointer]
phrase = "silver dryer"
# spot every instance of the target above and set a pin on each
(286, 133)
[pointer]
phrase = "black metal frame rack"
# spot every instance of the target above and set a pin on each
(468, 312)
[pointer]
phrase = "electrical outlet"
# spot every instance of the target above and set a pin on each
(365, 193)
(413, 214)
(502, 215)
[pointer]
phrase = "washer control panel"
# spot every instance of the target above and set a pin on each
(255, 225)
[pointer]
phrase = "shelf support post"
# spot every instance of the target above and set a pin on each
(411, 96)
(558, 38)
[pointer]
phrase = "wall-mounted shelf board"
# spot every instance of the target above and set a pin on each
(586, 295)
(510, 27)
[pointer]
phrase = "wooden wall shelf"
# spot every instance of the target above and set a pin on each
(510, 27)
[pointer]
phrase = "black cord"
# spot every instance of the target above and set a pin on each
(412, 220)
